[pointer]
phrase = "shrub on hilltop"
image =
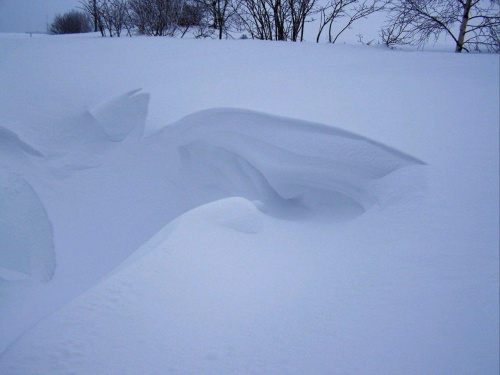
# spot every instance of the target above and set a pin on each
(72, 22)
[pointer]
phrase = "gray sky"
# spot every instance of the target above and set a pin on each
(31, 15)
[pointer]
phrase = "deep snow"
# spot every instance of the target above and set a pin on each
(365, 245)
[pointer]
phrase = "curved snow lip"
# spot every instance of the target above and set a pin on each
(11, 140)
(123, 115)
(294, 167)
(279, 123)
(26, 233)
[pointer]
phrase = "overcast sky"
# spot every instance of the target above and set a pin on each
(31, 15)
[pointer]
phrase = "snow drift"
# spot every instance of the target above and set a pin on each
(276, 245)
(232, 166)
(290, 165)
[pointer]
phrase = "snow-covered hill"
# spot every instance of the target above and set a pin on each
(257, 207)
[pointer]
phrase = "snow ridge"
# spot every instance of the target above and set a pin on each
(292, 166)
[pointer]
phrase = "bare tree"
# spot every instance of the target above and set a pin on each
(221, 15)
(280, 10)
(156, 17)
(348, 10)
(92, 9)
(192, 15)
(257, 19)
(300, 10)
(115, 16)
(472, 24)
(277, 19)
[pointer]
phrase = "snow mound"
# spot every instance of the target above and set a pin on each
(26, 237)
(292, 166)
(215, 283)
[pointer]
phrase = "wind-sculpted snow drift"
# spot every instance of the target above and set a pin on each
(291, 166)
(237, 242)
(290, 169)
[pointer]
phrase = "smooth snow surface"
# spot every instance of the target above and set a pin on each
(192, 237)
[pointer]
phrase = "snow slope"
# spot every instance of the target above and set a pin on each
(287, 246)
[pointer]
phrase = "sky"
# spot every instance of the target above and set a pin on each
(31, 15)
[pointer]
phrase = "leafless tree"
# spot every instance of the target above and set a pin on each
(192, 15)
(348, 10)
(92, 8)
(257, 19)
(221, 15)
(110, 15)
(156, 17)
(300, 10)
(267, 19)
(115, 16)
(276, 19)
(472, 24)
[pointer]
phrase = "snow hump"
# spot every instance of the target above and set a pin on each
(289, 165)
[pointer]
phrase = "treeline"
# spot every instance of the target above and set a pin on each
(471, 24)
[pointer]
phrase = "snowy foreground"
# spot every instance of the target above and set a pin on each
(242, 207)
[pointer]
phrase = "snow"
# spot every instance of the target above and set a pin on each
(256, 207)
(286, 164)
(26, 237)
(123, 115)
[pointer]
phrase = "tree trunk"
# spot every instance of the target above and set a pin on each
(302, 30)
(463, 27)
(95, 14)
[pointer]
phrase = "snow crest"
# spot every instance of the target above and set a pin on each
(123, 115)
(292, 166)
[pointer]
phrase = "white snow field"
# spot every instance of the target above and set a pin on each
(172, 206)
